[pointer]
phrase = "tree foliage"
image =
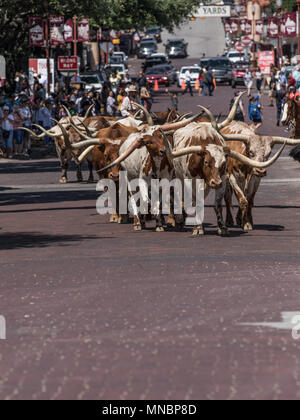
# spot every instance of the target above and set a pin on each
(116, 14)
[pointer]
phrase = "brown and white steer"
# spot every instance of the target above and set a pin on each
(243, 180)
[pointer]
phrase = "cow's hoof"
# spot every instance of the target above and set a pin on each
(137, 228)
(123, 220)
(198, 232)
(223, 232)
(160, 229)
(63, 180)
(113, 218)
(230, 222)
(79, 179)
(90, 180)
(248, 227)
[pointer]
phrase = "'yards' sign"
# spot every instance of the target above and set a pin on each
(213, 11)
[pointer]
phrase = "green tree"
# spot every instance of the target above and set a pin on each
(116, 14)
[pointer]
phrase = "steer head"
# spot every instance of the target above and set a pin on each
(211, 164)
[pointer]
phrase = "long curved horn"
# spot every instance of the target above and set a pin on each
(85, 153)
(124, 156)
(181, 124)
(86, 143)
(214, 124)
(253, 163)
(84, 136)
(147, 114)
(137, 113)
(182, 152)
(33, 134)
(88, 112)
(182, 117)
(47, 133)
(64, 133)
(232, 113)
(288, 142)
(187, 151)
(237, 137)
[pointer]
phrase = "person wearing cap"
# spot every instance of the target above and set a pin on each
(255, 110)
(127, 107)
(7, 122)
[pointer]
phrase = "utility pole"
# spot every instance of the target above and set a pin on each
(75, 42)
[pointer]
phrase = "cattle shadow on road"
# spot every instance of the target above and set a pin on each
(44, 197)
(33, 167)
(12, 241)
(28, 167)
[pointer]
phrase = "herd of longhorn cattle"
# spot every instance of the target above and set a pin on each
(230, 157)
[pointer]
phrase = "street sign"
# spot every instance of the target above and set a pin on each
(38, 67)
(213, 11)
(239, 47)
(68, 63)
(246, 41)
(265, 60)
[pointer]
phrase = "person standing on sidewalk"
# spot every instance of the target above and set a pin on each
(259, 79)
(188, 80)
(248, 80)
(7, 122)
(280, 95)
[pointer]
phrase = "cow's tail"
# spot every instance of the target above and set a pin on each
(295, 153)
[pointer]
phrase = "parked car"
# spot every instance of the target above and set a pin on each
(176, 48)
(158, 74)
(155, 60)
(238, 71)
(221, 68)
(171, 71)
(155, 32)
(116, 60)
(122, 56)
(195, 73)
(92, 81)
(147, 48)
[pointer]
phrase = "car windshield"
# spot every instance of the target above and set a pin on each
(90, 80)
(147, 45)
(152, 31)
(192, 70)
(118, 68)
(155, 71)
(175, 43)
(233, 55)
(215, 64)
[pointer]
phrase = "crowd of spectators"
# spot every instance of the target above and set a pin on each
(25, 106)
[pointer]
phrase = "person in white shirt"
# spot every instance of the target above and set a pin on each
(27, 120)
(7, 131)
(248, 80)
(127, 107)
(188, 80)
